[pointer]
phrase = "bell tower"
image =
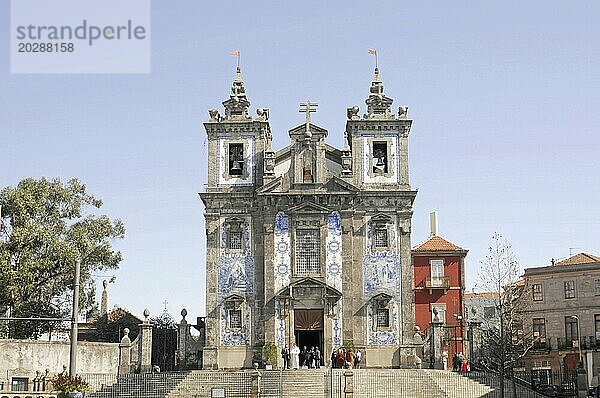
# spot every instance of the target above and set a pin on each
(236, 142)
(379, 140)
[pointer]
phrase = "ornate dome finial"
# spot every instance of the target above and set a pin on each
(378, 105)
(236, 107)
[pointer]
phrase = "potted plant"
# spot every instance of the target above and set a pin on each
(270, 353)
(70, 387)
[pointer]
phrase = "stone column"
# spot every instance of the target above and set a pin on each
(255, 389)
(183, 334)
(125, 353)
(145, 345)
(210, 352)
(348, 384)
(582, 384)
(436, 344)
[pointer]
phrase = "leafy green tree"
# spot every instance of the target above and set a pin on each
(109, 327)
(45, 226)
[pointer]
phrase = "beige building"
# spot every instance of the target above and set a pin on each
(563, 315)
(308, 244)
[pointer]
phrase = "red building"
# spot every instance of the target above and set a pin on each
(439, 270)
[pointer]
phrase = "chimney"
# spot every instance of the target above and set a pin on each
(433, 223)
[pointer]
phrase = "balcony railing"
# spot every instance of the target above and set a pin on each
(567, 344)
(542, 344)
(437, 282)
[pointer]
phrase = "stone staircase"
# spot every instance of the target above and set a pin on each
(149, 385)
(414, 383)
(493, 381)
(454, 385)
(310, 383)
(303, 383)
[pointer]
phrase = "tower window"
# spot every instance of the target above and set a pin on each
(234, 237)
(380, 237)
(236, 159)
(235, 240)
(383, 318)
(380, 157)
(308, 253)
(235, 319)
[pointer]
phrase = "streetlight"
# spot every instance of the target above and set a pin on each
(74, 320)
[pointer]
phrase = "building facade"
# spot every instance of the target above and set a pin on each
(309, 244)
(563, 315)
(439, 272)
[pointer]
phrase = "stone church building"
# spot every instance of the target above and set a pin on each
(309, 243)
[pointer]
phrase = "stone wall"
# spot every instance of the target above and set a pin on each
(29, 356)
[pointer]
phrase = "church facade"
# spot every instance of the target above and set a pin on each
(309, 244)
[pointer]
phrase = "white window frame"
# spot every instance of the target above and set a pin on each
(437, 276)
(441, 308)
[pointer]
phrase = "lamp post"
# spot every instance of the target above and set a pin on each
(74, 319)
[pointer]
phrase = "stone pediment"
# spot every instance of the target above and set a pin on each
(309, 284)
(381, 217)
(271, 186)
(235, 297)
(309, 207)
(382, 299)
(337, 184)
(301, 129)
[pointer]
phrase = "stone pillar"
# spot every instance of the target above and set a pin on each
(436, 340)
(183, 334)
(125, 353)
(348, 384)
(255, 389)
(145, 345)
(582, 384)
(104, 301)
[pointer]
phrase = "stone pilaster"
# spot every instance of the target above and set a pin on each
(145, 345)
(125, 353)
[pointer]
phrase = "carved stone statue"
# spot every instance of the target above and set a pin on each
(352, 113)
(214, 115)
(403, 112)
(263, 114)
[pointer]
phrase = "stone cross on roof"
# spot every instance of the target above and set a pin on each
(307, 107)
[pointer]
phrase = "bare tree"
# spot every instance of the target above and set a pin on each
(504, 344)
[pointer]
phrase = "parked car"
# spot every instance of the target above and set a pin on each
(567, 389)
(548, 390)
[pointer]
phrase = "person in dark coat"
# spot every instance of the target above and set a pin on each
(303, 355)
(285, 355)
(317, 358)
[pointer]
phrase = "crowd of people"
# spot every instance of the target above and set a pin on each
(312, 358)
(460, 364)
(343, 358)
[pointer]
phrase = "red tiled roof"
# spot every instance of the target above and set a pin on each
(581, 258)
(118, 313)
(481, 295)
(437, 243)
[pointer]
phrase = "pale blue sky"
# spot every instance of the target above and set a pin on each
(504, 97)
